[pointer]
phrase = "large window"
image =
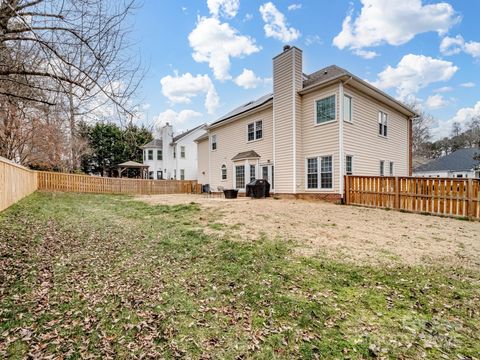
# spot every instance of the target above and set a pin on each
(382, 123)
(322, 179)
(325, 110)
(213, 141)
(255, 130)
(349, 165)
(347, 108)
(240, 176)
(252, 173)
(382, 168)
(182, 152)
(159, 154)
(150, 154)
(224, 172)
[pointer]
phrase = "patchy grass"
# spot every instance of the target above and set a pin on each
(109, 276)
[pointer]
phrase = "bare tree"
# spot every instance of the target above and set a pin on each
(421, 130)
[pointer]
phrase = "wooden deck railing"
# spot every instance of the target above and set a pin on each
(16, 182)
(443, 196)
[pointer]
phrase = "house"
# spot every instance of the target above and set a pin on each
(306, 135)
(173, 157)
(463, 163)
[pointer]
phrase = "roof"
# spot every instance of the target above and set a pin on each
(460, 160)
(246, 155)
(185, 133)
(324, 75)
(155, 143)
(245, 107)
(202, 137)
(131, 164)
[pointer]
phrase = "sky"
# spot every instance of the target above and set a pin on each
(204, 58)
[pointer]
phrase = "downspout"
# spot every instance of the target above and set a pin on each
(341, 162)
(294, 123)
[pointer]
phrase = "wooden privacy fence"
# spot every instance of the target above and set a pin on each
(16, 182)
(52, 181)
(442, 196)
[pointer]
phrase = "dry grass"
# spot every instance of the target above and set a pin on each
(359, 234)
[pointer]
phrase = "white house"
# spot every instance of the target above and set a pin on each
(463, 163)
(173, 157)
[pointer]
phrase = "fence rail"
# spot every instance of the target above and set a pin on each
(16, 182)
(442, 196)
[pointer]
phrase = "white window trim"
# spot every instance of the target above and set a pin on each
(353, 162)
(254, 131)
(351, 108)
(319, 189)
(333, 93)
(388, 121)
(210, 142)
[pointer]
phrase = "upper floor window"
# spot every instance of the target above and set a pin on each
(255, 130)
(347, 108)
(150, 154)
(325, 110)
(382, 123)
(224, 172)
(349, 165)
(159, 154)
(213, 140)
(182, 152)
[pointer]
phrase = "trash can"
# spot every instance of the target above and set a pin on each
(230, 193)
(258, 189)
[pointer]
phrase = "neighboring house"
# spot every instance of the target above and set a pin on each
(173, 157)
(294, 138)
(463, 163)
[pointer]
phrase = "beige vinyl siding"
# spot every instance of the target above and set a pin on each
(232, 139)
(363, 142)
(322, 139)
(202, 161)
(299, 128)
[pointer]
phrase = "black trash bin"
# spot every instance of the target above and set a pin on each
(258, 189)
(230, 193)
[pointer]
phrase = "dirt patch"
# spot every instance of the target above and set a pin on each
(347, 232)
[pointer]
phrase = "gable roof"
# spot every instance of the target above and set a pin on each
(460, 160)
(185, 133)
(155, 143)
(202, 137)
(246, 155)
(324, 75)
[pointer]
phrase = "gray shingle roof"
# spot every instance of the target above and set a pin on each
(155, 143)
(185, 133)
(460, 160)
(325, 74)
(246, 155)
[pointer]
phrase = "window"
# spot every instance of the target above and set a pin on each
(347, 108)
(150, 154)
(175, 174)
(326, 172)
(174, 151)
(150, 174)
(159, 175)
(213, 141)
(255, 131)
(312, 173)
(265, 172)
(382, 168)
(224, 172)
(159, 154)
(252, 173)
(182, 152)
(144, 155)
(391, 168)
(182, 174)
(382, 123)
(240, 176)
(325, 110)
(349, 165)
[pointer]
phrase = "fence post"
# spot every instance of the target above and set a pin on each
(396, 204)
(347, 190)
(469, 198)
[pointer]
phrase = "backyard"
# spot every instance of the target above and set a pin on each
(180, 276)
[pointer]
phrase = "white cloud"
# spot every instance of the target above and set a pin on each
(436, 102)
(293, 7)
(443, 89)
(215, 43)
(463, 116)
(468, 85)
(181, 89)
(276, 25)
(366, 54)
(456, 45)
(247, 17)
(248, 80)
(313, 39)
(393, 22)
(413, 73)
(226, 8)
(175, 118)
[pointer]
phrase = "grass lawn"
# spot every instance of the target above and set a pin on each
(108, 276)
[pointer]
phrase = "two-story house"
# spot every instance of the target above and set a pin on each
(305, 136)
(173, 157)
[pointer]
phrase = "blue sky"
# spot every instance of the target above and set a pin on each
(206, 57)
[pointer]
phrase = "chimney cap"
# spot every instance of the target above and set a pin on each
(286, 47)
